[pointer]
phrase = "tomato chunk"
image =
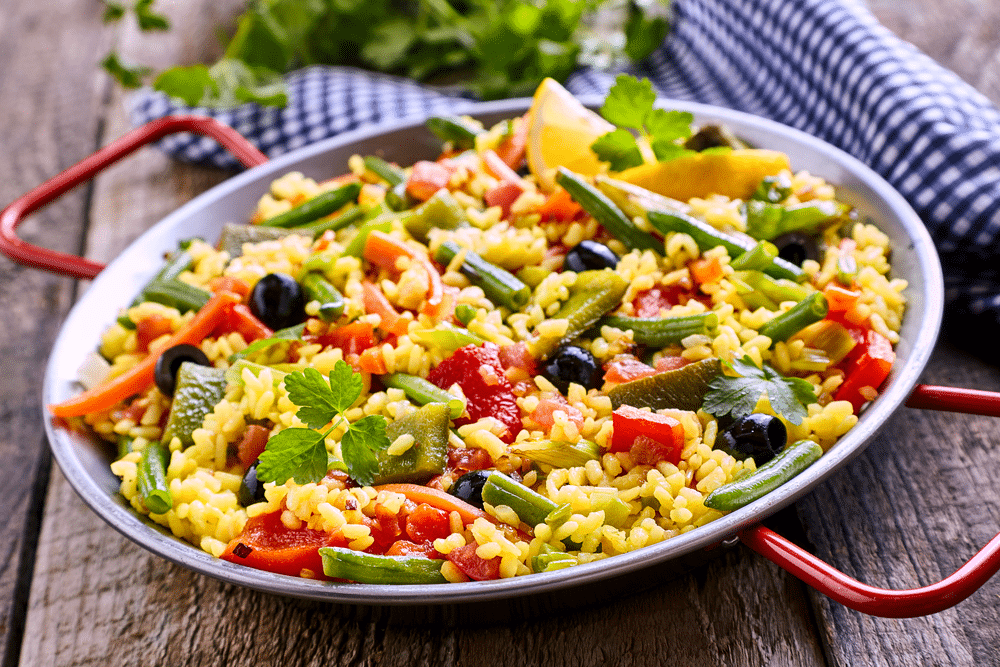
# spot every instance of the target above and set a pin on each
(461, 461)
(472, 566)
(353, 338)
(488, 392)
(543, 414)
(407, 548)
(654, 434)
(150, 328)
(426, 524)
(253, 443)
(267, 544)
(625, 368)
(426, 178)
(648, 303)
(504, 196)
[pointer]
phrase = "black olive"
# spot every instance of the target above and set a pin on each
(572, 364)
(469, 487)
(251, 489)
(278, 301)
(797, 247)
(590, 255)
(713, 136)
(165, 372)
(759, 436)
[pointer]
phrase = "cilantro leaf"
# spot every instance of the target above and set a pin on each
(629, 102)
(668, 125)
(320, 401)
(358, 448)
(296, 453)
(738, 396)
(619, 149)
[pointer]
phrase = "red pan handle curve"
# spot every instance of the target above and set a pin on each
(881, 601)
(77, 267)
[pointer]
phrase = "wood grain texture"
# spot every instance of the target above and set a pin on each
(908, 511)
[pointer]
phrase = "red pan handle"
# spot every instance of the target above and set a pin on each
(77, 267)
(881, 601)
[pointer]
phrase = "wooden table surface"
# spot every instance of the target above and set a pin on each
(907, 512)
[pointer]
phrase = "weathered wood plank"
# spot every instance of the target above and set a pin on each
(43, 129)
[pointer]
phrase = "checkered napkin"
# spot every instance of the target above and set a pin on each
(824, 66)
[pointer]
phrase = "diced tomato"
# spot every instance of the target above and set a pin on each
(648, 303)
(267, 544)
(426, 524)
(253, 443)
(630, 424)
(150, 328)
(625, 368)
(670, 363)
(371, 361)
(543, 414)
(407, 548)
(472, 566)
(426, 178)
(869, 369)
(504, 196)
(387, 526)
(511, 149)
(229, 284)
(353, 338)
(488, 392)
(840, 299)
(517, 362)
(559, 206)
(468, 459)
(705, 270)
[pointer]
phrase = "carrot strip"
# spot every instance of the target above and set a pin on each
(140, 377)
(375, 302)
(439, 499)
(383, 250)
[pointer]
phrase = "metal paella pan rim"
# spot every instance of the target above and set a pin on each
(85, 460)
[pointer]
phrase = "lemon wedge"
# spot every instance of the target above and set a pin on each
(560, 133)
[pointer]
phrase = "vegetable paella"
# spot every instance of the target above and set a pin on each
(570, 336)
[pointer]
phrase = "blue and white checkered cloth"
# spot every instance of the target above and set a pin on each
(827, 67)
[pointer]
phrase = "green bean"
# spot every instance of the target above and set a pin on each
(602, 209)
(177, 263)
(708, 237)
(319, 206)
(783, 467)
(388, 172)
(636, 201)
(592, 295)
(500, 286)
(811, 309)
(124, 445)
(531, 508)
(757, 258)
(446, 337)
(768, 221)
(459, 131)
(176, 294)
(366, 568)
(465, 313)
(662, 331)
(152, 479)
(423, 392)
(777, 289)
(549, 559)
(318, 288)
(441, 211)
(350, 215)
(773, 189)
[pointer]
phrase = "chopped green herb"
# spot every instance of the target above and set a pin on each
(738, 396)
(300, 453)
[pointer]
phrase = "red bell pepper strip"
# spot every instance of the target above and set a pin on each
(376, 302)
(140, 377)
(267, 544)
(654, 433)
(867, 370)
(243, 321)
(426, 178)
(511, 150)
(383, 250)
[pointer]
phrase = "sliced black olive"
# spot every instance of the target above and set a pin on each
(469, 487)
(590, 256)
(714, 136)
(797, 247)
(571, 363)
(251, 489)
(759, 436)
(165, 372)
(278, 301)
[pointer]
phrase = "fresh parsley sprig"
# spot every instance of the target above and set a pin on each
(300, 453)
(738, 396)
(629, 105)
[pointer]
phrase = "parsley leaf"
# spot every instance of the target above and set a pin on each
(629, 105)
(300, 453)
(738, 396)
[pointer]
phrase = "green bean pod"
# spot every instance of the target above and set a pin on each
(176, 294)
(357, 245)
(446, 337)
(708, 237)
(319, 206)
(811, 309)
(152, 479)
(531, 507)
(423, 392)
(662, 331)
(500, 286)
(459, 131)
(350, 215)
(602, 209)
(550, 559)
(366, 568)
(766, 220)
(592, 295)
(177, 263)
(387, 171)
(318, 288)
(783, 467)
